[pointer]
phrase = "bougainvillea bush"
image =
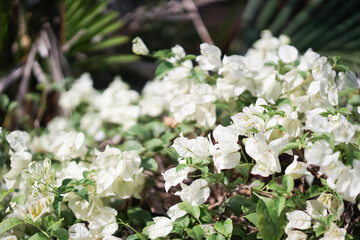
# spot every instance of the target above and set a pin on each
(260, 146)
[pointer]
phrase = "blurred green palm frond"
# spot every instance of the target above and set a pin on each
(88, 29)
(330, 27)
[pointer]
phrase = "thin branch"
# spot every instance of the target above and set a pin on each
(39, 73)
(10, 78)
(25, 78)
(198, 22)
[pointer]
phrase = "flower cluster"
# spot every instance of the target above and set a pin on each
(265, 145)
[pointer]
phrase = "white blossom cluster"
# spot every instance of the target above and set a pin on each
(115, 174)
(311, 85)
(296, 112)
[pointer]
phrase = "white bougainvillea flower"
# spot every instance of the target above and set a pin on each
(81, 91)
(18, 162)
(315, 208)
(153, 102)
(287, 54)
(68, 145)
(311, 60)
(208, 230)
(325, 199)
(173, 178)
(196, 193)
(225, 151)
(334, 233)
(162, 227)
(103, 222)
(346, 80)
(267, 42)
(9, 237)
(195, 148)
(247, 119)
(139, 47)
(175, 212)
(265, 155)
(102, 219)
(78, 231)
(210, 58)
(18, 140)
(234, 81)
(36, 208)
(295, 235)
(320, 154)
(40, 176)
(119, 173)
(296, 169)
(298, 219)
(117, 104)
(334, 205)
(197, 105)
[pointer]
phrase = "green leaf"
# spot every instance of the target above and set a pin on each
(167, 137)
(225, 228)
(302, 73)
(341, 67)
(238, 231)
(57, 204)
(135, 236)
(239, 204)
(180, 167)
(320, 230)
(162, 69)
(253, 130)
(253, 218)
(288, 183)
(196, 233)
(284, 69)
(184, 221)
(244, 169)
(313, 191)
(205, 214)
(66, 181)
(157, 128)
(112, 42)
(86, 173)
(154, 145)
(82, 192)
(273, 185)
(39, 236)
(189, 57)
(133, 145)
(52, 223)
(282, 101)
(13, 105)
(3, 193)
(20, 199)
(216, 237)
(198, 74)
(9, 223)
(4, 101)
(139, 216)
(61, 234)
(344, 111)
(271, 222)
(149, 164)
(139, 131)
(193, 210)
(204, 170)
(289, 146)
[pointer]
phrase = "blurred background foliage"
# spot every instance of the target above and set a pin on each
(45, 42)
